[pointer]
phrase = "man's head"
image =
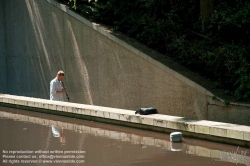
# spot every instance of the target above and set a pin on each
(60, 75)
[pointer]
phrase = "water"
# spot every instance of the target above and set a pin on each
(29, 138)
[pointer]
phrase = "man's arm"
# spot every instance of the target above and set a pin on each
(54, 91)
(63, 91)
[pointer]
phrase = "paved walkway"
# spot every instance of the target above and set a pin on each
(201, 129)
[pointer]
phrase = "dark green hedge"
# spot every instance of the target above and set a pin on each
(173, 28)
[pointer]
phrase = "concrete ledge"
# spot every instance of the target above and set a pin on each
(202, 129)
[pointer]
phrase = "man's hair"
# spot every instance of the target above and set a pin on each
(60, 73)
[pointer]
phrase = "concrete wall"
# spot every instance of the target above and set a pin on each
(33, 53)
(42, 37)
(233, 113)
(3, 79)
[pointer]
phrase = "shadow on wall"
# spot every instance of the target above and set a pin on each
(34, 52)
(58, 47)
(39, 52)
(45, 44)
(76, 66)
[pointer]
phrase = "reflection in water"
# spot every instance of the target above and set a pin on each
(58, 132)
(176, 146)
(100, 144)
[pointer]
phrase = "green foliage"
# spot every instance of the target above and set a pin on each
(174, 28)
(243, 90)
(231, 23)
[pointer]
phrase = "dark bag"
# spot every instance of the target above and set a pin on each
(146, 111)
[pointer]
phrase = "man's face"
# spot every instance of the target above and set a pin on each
(60, 77)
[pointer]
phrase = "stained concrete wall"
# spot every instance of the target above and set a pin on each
(42, 38)
(3, 79)
(233, 113)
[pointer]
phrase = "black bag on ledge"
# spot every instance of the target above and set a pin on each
(146, 111)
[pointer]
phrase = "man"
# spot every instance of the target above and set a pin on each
(57, 132)
(57, 90)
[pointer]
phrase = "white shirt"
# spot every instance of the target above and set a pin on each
(56, 85)
(56, 131)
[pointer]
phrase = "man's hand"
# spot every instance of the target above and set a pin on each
(64, 90)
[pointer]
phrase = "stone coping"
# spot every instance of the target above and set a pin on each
(202, 129)
(237, 156)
